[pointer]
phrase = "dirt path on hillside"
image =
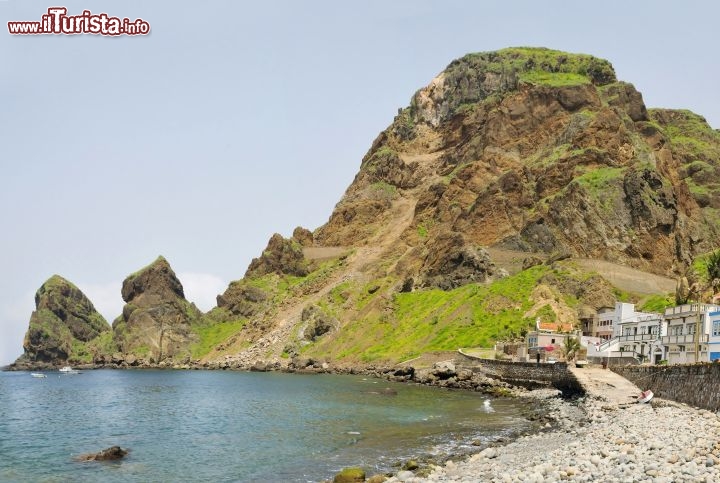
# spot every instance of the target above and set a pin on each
(629, 279)
(271, 345)
(622, 277)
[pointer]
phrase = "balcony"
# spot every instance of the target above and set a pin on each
(689, 309)
(638, 338)
(683, 339)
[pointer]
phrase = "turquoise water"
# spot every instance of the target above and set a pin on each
(211, 426)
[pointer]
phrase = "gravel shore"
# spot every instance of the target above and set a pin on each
(597, 438)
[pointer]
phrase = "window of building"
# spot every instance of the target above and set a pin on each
(716, 328)
(552, 341)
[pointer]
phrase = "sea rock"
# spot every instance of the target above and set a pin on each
(410, 465)
(156, 317)
(63, 316)
(350, 475)
(109, 454)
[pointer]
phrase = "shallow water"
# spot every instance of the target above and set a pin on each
(231, 426)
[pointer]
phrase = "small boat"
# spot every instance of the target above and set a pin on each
(645, 396)
(37, 374)
(69, 370)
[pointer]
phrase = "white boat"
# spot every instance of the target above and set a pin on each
(37, 374)
(69, 370)
(645, 396)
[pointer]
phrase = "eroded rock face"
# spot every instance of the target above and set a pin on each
(453, 262)
(282, 256)
(242, 300)
(63, 314)
(318, 322)
(156, 319)
(539, 151)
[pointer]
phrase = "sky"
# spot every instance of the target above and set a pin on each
(232, 120)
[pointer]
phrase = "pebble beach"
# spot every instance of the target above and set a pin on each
(600, 437)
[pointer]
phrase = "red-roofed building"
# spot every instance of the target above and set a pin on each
(548, 339)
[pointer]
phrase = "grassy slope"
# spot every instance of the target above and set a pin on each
(433, 320)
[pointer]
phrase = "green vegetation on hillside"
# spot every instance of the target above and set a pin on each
(658, 303)
(435, 320)
(554, 79)
(213, 335)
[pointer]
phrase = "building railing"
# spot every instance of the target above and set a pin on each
(683, 339)
(689, 309)
(637, 337)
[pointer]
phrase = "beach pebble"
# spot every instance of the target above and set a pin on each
(623, 447)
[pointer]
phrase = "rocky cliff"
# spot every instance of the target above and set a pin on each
(482, 206)
(157, 321)
(63, 326)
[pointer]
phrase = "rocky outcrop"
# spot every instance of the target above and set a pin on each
(63, 317)
(539, 151)
(452, 262)
(242, 300)
(282, 256)
(157, 320)
(109, 454)
(318, 323)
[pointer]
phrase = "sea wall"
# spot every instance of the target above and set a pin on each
(527, 374)
(697, 385)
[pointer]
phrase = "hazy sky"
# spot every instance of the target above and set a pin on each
(235, 120)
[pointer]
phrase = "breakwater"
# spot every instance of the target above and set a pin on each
(526, 374)
(697, 385)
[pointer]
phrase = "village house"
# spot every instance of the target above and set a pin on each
(547, 339)
(603, 328)
(688, 333)
(681, 335)
(714, 339)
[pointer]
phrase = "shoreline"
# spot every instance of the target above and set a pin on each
(601, 439)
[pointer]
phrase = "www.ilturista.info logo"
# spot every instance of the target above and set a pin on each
(58, 22)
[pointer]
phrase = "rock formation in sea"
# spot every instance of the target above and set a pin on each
(64, 326)
(157, 321)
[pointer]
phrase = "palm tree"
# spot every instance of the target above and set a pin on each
(571, 347)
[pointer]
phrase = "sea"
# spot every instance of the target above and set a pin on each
(230, 426)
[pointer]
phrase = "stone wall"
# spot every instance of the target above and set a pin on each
(697, 385)
(526, 374)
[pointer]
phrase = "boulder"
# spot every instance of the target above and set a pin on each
(109, 454)
(444, 369)
(318, 322)
(350, 475)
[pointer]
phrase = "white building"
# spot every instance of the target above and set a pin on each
(714, 339)
(628, 334)
(687, 337)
